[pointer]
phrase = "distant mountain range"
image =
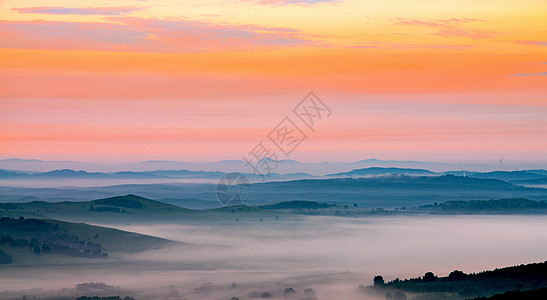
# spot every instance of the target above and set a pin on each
(282, 166)
(158, 174)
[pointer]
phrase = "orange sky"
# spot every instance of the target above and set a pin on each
(178, 80)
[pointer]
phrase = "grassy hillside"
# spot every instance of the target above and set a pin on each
(47, 241)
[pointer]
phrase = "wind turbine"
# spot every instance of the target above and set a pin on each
(501, 159)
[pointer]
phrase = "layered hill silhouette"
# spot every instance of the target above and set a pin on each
(392, 191)
(388, 191)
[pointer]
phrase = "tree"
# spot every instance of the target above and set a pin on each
(456, 275)
(378, 281)
(289, 292)
(429, 277)
(309, 292)
(37, 250)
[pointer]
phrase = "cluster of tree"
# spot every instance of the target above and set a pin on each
(297, 205)
(106, 209)
(104, 298)
(45, 237)
(290, 292)
(486, 283)
(484, 206)
(36, 246)
(23, 225)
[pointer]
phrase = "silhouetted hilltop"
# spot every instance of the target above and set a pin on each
(516, 278)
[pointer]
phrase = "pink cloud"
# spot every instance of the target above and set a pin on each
(55, 10)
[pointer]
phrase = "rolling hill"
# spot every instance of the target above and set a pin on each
(129, 209)
(377, 191)
(391, 191)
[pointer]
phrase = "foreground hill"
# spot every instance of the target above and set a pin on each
(46, 241)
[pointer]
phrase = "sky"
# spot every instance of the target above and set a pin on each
(122, 81)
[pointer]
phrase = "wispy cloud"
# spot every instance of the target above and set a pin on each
(56, 10)
(534, 43)
(296, 2)
(138, 34)
(67, 35)
(409, 46)
(449, 27)
(212, 35)
(529, 74)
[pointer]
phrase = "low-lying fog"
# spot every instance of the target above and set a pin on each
(329, 254)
